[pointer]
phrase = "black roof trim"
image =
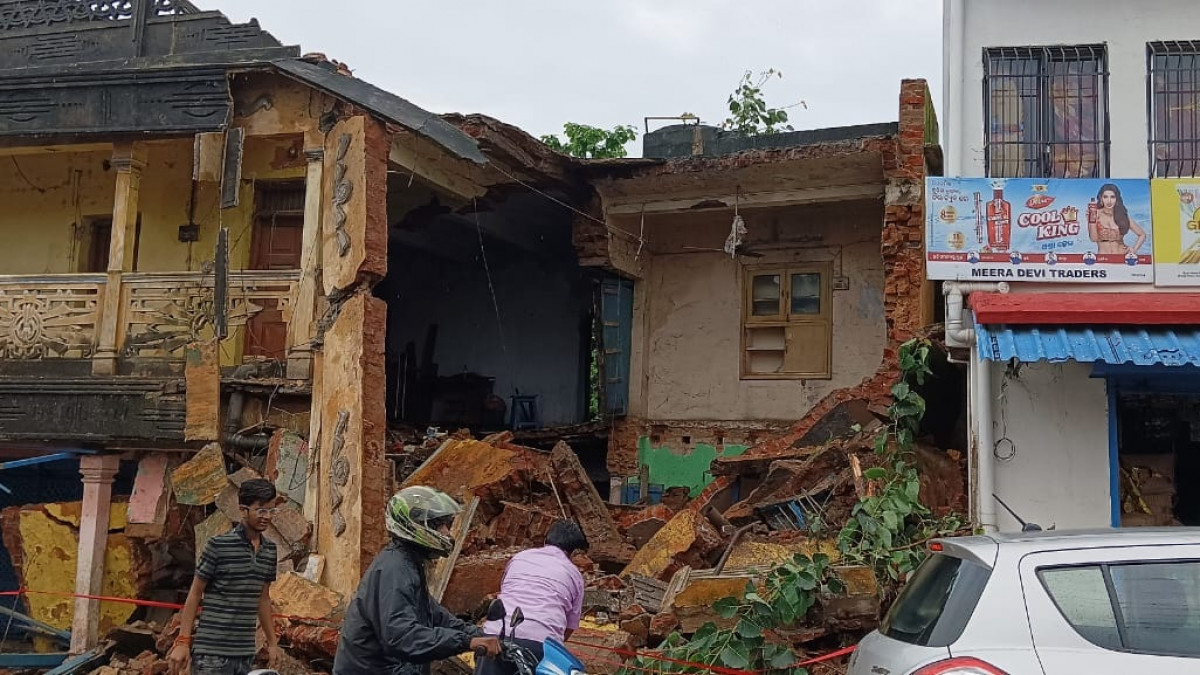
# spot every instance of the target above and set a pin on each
(386, 105)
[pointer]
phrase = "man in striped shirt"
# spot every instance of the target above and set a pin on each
(233, 582)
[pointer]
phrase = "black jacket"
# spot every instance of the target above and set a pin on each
(393, 626)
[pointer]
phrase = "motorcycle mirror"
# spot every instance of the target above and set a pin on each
(518, 618)
(496, 610)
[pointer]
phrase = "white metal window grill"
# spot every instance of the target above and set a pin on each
(1174, 100)
(1046, 112)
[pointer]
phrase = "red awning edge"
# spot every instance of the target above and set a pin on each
(1175, 309)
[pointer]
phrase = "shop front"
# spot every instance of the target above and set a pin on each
(1083, 347)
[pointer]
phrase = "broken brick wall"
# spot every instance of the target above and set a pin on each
(678, 454)
(904, 297)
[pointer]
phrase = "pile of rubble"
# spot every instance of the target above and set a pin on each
(653, 569)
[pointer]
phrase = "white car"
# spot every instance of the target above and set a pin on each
(1048, 603)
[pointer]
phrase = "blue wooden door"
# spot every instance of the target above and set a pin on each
(616, 340)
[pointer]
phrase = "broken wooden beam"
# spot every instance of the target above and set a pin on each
(439, 577)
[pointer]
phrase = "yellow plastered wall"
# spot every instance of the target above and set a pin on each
(45, 196)
(50, 198)
(42, 197)
(50, 551)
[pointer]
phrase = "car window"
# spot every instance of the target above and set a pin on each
(1160, 606)
(934, 607)
(1150, 608)
(1082, 598)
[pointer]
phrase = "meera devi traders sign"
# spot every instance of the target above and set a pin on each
(1020, 229)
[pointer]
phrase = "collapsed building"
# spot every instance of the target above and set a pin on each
(228, 259)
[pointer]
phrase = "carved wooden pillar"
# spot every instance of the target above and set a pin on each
(300, 330)
(128, 161)
(97, 472)
(348, 416)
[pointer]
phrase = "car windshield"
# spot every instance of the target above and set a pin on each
(933, 609)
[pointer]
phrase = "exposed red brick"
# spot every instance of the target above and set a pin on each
(577, 489)
(595, 649)
(623, 446)
(662, 625)
(717, 491)
(475, 578)
(655, 512)
(638, 628)
(519, 525)
(310, 642)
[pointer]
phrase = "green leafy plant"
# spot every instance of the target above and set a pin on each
(748, 111)
(886, 529)
(592, 142)
(784, 599)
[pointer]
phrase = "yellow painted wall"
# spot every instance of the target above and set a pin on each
(45, 195)
(50, 549)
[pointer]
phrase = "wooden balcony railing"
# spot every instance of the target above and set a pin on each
(48, 317)
(162, 313)
(60, 316)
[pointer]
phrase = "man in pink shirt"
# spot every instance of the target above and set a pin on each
(547, 587)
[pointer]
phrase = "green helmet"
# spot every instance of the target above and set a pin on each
(414, 514)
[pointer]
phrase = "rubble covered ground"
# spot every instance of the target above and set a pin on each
(653, 568)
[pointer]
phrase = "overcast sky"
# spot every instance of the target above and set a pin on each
(539, 63)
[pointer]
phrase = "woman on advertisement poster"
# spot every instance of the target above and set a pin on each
(1109, 222)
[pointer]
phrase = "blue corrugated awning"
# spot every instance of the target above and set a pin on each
(1152, 346)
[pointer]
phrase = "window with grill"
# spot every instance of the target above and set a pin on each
(1174, 109)
(1046, 111)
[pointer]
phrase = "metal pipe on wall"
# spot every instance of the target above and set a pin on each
(979, 398)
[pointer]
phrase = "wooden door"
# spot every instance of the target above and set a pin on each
(276, 244)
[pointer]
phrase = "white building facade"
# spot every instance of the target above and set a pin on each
(1085, 396)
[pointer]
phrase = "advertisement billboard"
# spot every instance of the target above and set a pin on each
(1044, 229)
(1176, 231)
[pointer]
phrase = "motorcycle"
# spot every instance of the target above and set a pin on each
(556, 658)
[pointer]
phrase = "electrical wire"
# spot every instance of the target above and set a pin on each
(565, 205)
(25, 178)
(491, 286)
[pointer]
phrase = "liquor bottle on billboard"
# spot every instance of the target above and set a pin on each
(979, 222)
(999, 219)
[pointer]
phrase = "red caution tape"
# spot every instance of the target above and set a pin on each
(830, 656)
(719, 670)
(139, 603)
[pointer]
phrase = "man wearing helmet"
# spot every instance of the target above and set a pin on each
(392, 625)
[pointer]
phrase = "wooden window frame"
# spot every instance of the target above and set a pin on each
(786, 320)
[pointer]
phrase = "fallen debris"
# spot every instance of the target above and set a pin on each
(294, 596)
(593, 515)
(198, 481)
